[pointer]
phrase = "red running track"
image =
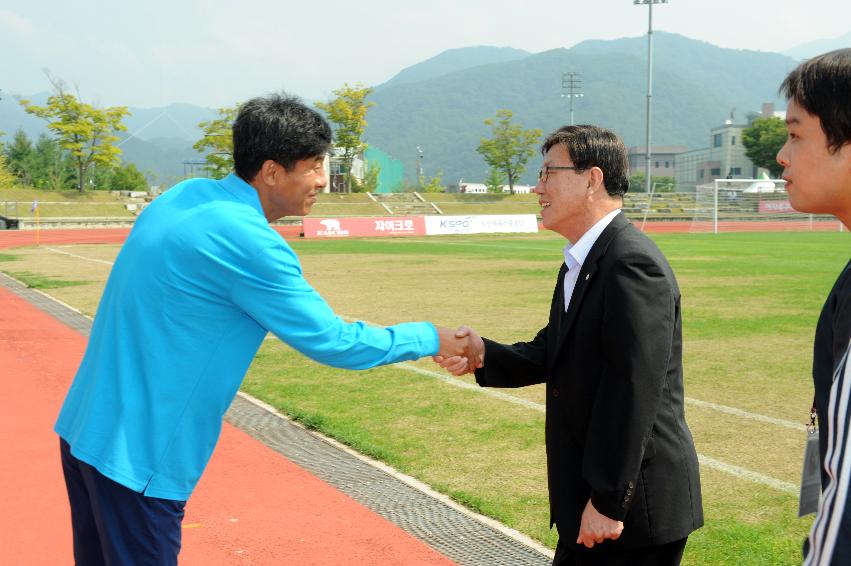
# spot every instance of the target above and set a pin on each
(252, 507)
(17, 238)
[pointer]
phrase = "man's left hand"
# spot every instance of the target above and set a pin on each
(596, 527)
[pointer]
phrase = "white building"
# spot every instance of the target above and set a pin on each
(472, 188)
(724, 158)
(334, 170)
(518, 189)
(479, 188)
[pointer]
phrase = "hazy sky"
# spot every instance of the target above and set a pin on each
(216, 52)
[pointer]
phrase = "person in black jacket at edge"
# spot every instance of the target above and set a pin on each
(816, 160)
(622, 469)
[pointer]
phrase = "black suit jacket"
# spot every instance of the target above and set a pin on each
(615, 428)
(832, 334)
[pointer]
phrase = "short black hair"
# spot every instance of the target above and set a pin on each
(592, 146)
(277, 127)
(822, 87)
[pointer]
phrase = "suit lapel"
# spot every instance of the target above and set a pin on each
(586, 277)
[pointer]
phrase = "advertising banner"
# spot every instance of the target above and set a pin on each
(363, 227)
(775, 206)
(481, 224)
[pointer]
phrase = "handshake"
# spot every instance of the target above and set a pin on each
(461, 351)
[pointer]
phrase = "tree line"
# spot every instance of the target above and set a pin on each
(45, 164)
(506, 152)
(81, 150)
(79, 153)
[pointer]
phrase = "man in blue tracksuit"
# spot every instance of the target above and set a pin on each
(196, 287)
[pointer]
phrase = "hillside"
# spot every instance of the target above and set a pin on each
(453, 60)
(161, 159)
(696, 85)
(813, 48)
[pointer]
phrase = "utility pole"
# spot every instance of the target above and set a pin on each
(419, 166)
(649, 3)
(571, 84)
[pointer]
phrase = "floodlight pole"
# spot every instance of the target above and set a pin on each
(649, 3)
(419, 166)
(570, 86)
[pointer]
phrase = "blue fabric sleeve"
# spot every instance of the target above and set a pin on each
(272, 290)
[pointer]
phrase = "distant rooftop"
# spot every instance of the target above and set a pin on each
(657, 149)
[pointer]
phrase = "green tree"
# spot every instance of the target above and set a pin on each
(762, 140)
(348, 112)
(7, 178)
(369, 184)
(128, 178)
(218, 139)
(49, 166)
(18, 154)
(85, 132)
(509, 147)
(660, 183)
(495, 180)
(433, 185)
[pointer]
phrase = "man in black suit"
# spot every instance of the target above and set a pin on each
(622, 469)
(816, 160)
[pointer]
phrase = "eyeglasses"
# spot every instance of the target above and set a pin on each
(544, 173)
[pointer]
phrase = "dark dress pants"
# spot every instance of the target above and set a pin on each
(669, 554)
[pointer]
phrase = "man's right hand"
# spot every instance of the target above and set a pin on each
(471, 357)
(595, 527)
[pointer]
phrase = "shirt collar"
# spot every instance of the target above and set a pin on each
(236, 186)
(575, 254)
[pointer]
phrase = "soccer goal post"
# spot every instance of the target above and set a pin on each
(752, 205)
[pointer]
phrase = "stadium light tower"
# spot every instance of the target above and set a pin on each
(419, 165)
(571, 84)
(649, 3)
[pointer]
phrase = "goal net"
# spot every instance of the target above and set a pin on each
(741, 205)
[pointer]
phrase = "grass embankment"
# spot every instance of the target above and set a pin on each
(18, 203)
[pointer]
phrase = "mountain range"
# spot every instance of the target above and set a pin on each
(440, 104)
(813, 48)
(696, 86)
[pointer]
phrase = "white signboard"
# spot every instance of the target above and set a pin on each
(481, 224)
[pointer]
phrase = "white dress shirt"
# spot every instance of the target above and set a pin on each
(575, 254)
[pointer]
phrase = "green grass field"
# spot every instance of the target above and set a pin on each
(750, 303)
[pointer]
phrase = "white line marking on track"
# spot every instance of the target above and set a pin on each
(103, 261)
(705, 461)
(745, 414)
(473, 387)
(749, 475)
(730, 469)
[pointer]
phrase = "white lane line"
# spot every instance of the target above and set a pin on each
(704, 460)
(459, 383)
(508, 397)
(745, 414)
(749, 475)
(473, 387)
(103, 261)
